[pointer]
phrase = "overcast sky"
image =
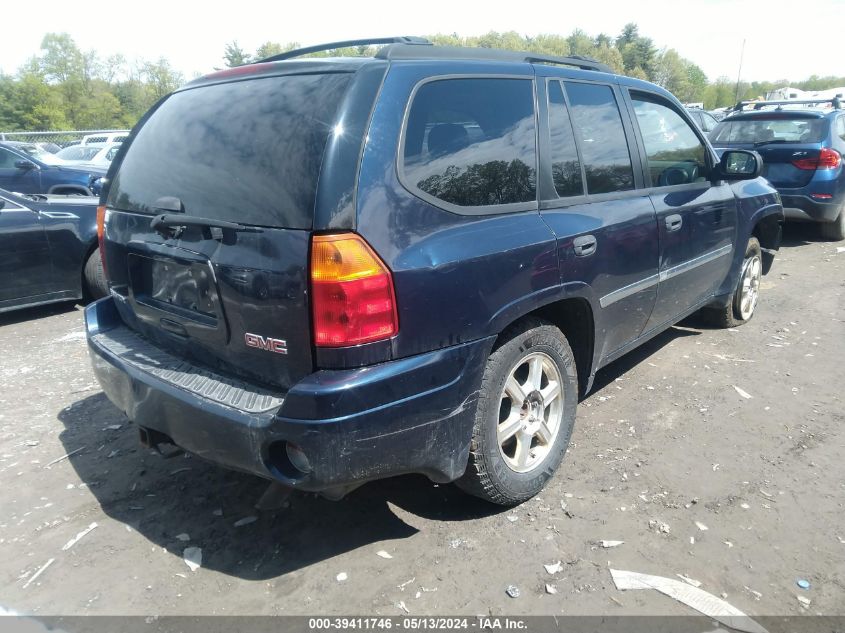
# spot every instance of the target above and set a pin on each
(192, 35)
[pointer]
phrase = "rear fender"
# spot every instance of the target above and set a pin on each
(538, 303)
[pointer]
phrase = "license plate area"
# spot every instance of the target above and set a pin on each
(177, 294)
(169, 284)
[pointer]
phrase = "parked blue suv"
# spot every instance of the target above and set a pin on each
(329, 271)
(802, 143)
(26, 168)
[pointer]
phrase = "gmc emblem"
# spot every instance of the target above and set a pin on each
(267, 344)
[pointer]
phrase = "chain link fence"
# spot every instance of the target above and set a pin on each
(53, 141)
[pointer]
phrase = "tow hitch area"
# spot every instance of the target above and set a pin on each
(150, 438)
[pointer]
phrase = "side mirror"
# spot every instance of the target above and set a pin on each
(24, 164)
(2, 204)
(740, 164)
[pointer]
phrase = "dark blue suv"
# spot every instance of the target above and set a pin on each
(802, 143)
(26, 168)
(328, 271)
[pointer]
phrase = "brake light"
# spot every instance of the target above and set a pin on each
(352, 295)
(827, 159)
(101, 233)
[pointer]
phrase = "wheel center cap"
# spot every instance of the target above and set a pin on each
(534, 411)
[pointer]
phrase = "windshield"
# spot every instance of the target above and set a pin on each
(246, 151)
(773, 130)
(39, 154)
(78, 153)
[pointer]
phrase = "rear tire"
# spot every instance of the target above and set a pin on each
(516, 445)
(834, 230)
(96, 286)
(744, 301)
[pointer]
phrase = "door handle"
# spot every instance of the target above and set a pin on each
(584, 245)
(674, 222)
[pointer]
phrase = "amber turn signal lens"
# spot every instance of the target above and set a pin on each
(352, 294)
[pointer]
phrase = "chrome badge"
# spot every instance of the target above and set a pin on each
(267, 344)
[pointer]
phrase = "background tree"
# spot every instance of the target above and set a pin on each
(234, 55)
(64, 87)
(268, 49)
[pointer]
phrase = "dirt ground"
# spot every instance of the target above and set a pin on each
(667, 439)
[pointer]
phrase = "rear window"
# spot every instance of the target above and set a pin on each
(246, 151)
(471, 142)
(768, 130)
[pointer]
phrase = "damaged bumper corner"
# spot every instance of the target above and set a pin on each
(412, 415)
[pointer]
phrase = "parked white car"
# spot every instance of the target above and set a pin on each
(105, 137)
(100, 154)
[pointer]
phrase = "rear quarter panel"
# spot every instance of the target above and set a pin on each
(457, 277)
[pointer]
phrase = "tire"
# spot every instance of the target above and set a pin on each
(834, 230)
(96, 286)
(515, 469)
(737, 312)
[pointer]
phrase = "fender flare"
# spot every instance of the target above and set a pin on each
(725, 291)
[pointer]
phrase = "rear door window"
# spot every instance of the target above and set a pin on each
(566, 168)
(244, 151)
(471, 143)
(601, 136)
(676, 156)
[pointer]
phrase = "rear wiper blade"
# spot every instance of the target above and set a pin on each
(165, 223)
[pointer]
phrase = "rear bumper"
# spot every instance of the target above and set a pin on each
(412, 415)
(797, 207)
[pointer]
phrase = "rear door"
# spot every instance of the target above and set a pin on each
(245, 152)
(25, 267)
(696, 216)
(604, 224)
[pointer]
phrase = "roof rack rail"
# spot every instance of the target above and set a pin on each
(401, 51)
(299, 52)
(579, 61)
(836, 102)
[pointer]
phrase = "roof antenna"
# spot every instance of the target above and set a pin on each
(739, 72)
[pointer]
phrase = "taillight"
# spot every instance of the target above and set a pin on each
(827, 159)
(101, 232)
(352, 294)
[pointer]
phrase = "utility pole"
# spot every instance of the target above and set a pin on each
(739, 72)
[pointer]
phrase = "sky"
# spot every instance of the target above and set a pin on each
(192, 35)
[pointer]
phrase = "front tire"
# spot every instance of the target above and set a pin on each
(525, 415)
(747, 293)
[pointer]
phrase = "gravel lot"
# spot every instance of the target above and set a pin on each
(666, 440)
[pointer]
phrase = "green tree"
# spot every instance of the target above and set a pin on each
(719, 94)
(268, 49)
(580, 43)
(234, 55)
(639, 54)
(697, 82)
(31, 104)
(160, 78)
(676, 75)
(61, 61)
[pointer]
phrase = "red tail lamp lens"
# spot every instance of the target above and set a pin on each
(352, 292)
